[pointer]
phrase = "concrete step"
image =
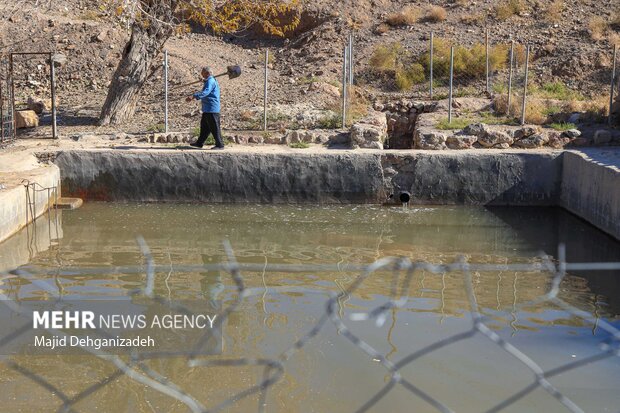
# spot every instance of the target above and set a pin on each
(69, 203)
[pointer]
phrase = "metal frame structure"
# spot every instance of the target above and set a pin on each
(6, 134)
(52, 87)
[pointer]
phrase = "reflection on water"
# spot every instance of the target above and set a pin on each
(330, 375)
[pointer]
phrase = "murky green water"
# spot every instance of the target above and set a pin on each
(330, 374)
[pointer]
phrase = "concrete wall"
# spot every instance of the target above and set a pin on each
(335, 177)
(455, 177)
(476, 177)
(591, 187)
(14, 200)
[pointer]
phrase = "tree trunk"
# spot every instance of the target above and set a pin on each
(132, 72)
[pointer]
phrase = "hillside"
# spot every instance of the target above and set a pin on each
(571, 43)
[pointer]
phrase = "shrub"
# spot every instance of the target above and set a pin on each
(468, 61)
(385, 57)
(614, 39)
(500, 104)
(382, 28)
(406, 77)
(330, 122)
(441, 58)
(505, 10)
(598, 28)
(554, 11)
(436, 14)
(406, 17)
(520, 53)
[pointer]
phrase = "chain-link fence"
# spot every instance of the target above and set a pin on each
(437, 66)
(135, 366)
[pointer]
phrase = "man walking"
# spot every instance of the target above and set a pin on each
(210, 121)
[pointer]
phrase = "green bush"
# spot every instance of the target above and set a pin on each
(468, 61)
(385, 57)
(406, 77)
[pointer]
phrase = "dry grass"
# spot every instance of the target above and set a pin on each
(614, 39)
(246, 115)
(382, 28)
(462, 2)
(472, 19)
(435, 14)
(406, 17)
(506, 10)
(598, 28)
(538, 110)
(554, 11)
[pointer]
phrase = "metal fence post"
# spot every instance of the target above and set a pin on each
(351, 58)
(431, 64)
(265, 90)
(165, 91)
(53, 87)
(344, 88)
(613, 84)
(527, 66)
(487, 60)
(12, 91)
(512, 54)
(451, 77)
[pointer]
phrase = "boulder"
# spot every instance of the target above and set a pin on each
(602, 137)
(326, 88)
(580, 142)
(272, 139)
(461, 141)
(476, 129)
(502, 145)
(369, 132)
(430, 140)
(26, 119)
(524, 132)
(492, 139)
(534, 141)
(241, 139)
(39, 105)
(557, 140)
(572, 133)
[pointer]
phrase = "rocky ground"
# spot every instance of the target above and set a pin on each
(305, 68)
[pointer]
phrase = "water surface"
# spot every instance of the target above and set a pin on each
(330, 374)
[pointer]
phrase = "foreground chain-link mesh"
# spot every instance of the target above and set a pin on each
(403, 271)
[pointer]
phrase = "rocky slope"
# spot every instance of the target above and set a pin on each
(306, 67)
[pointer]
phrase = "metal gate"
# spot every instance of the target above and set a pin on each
(7, 120)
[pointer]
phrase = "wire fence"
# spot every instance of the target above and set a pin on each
(403, 273)
(436, 67)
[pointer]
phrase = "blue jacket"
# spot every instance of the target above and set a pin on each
(209, 96)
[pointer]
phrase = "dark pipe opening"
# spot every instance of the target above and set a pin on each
(404, 197)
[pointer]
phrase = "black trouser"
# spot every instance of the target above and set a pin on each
(210, 124)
